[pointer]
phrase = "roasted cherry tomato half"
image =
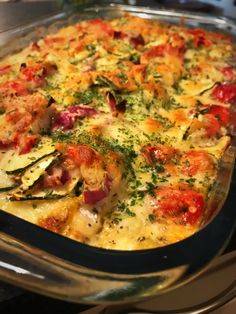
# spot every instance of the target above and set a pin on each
(81, 154)
(196, 161)
(158, 153)
(200, 38)
(221, 113)
(225, 93)
(24, 143)
(17, 86)
(185, 205)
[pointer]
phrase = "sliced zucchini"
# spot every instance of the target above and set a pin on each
(6, 182)
(209, 88)
(12, 162)
(47, 194)
(33, 173)
(219, 148)
(193, 88)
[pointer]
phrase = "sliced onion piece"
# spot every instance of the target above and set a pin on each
(67, 118)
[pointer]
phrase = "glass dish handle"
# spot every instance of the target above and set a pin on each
(20, 264)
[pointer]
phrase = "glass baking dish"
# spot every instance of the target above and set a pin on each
(50, 264)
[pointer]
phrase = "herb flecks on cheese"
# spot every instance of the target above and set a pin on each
(112, 130)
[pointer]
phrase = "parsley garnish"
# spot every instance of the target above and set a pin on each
(152, 217)
(123, 77)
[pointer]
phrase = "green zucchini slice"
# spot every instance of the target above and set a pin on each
(32, 174)
(47, 194)
(6, 182)
(209, 88)
(12, 162)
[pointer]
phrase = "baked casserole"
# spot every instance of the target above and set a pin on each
(112, 131)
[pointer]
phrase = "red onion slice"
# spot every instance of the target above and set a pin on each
(96, 195)
(92, 197)
(111, 101)
(67, 118)
(137, 41)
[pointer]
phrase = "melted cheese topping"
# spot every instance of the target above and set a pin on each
(112, 131)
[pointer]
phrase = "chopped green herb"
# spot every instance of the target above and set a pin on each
(190, 181)
(123, 77)
(141, 239)
(150, 188)
(130, 213)
(152, 218)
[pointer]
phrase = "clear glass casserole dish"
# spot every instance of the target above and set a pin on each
(51, 264)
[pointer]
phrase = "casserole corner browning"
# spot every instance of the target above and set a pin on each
(112, 131)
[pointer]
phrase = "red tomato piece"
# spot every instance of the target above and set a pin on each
(161, 51)
(36, 73)
(158, 153)
(81, 154)
(178, 41)
(17, 86)
(228, 73)
(187, 205)
(20, 120)
(33, 74)
(102, 26)
(211, 125)
(200, 38)
(221, 113)
(158, 51)
(24, 143)
(5, 69)
(194, 162)
(225, 93)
